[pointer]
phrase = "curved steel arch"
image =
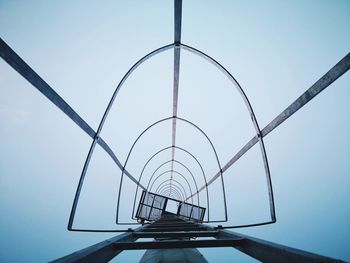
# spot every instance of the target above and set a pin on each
(181, 184)
(176, 172)
(178, 190)
(97, 135)
(236, 84)
(160, 166)
(196, 160)
(183, 191)
(30, 75)
(176, 161)
(173, 195)
(166, 192)
(254, 120)
(178, 185)
(189, 153)
(143, 132)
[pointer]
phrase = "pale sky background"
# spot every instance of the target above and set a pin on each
(275, 49)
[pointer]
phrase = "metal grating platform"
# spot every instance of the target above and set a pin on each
(152, 206)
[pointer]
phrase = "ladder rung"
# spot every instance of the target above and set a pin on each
(175, 234)
(172, 229)
(178, 244)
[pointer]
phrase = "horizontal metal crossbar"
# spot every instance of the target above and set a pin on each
(259, 249)
(178, 244)
(173, 224)
(176, 234)
(177, 228)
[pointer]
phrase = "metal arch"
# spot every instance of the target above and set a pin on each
(176, 161)
(144, 167)
(189, 171)
(196, 160)
(138, 63)
(181, 188)
(322, 83)
(173, 195)
(183, 195)
(166, 192)
(254, 120)
(207, 137)
(91, 150)
(217, 159)
(175, 187)
(127, 159)
(325, 81)
(176, 172)
(142, 133)
(194, 180)
(180, 185)
(97, 138)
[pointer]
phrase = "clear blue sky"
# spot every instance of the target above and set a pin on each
(275, 49)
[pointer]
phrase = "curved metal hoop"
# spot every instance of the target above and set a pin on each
(176, 172)
(148, 128)
(177, 186)
(175, 161)
(93, 144)
(181, 188)
(173, 194)
(254, 120)
(219, 174)
(187, 152)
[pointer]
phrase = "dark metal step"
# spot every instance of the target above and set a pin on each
(178, 244)
(172, 229)
(175, 234)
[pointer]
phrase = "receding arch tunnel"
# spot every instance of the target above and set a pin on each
(175, 147)
(189, 154)
(176, 173)
(219, 174)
